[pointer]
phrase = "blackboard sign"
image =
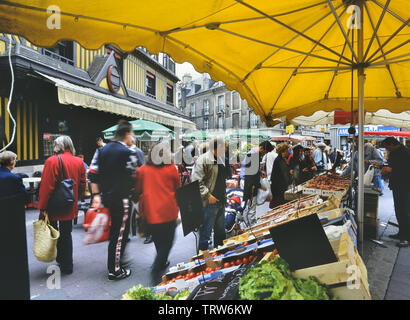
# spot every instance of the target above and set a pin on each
(225, 287)
(303, 243)
(190, 205)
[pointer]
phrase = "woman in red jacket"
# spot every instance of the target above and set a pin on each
(62, 219)
(157, 182)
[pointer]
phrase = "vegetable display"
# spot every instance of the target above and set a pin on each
(144, 293)
(273, 281)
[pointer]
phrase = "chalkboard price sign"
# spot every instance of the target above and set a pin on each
(225, 287)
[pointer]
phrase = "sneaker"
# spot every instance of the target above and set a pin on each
(394, 236)
(121, 274)
(148, 240)
(403, 244)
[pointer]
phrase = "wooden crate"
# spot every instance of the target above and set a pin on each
(336, 275)
(331, 203)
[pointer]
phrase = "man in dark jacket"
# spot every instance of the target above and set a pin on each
(399, 170)
(116, 167)
(281, 176)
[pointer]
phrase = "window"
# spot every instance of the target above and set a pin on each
(170, 94)
(193, 111)
(235, 99)
(220, 122)
(63, 51)
(235, 120)
(206, 124)
(206, 107)
(150, 85)
(220, 103)
(253, 120)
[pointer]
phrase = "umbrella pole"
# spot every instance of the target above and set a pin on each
(360, 94)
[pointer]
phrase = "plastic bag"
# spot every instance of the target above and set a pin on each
(334, 232)
(263, 195)
(97, 223)
(368, 177)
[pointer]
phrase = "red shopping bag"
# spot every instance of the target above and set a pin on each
(97, 223)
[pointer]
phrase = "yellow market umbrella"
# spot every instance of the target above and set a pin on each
(286, 58)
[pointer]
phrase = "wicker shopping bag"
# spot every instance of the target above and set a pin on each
(45, 240)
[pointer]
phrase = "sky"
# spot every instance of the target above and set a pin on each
(186, 67)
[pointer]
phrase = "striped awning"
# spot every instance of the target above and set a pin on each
(69, 93)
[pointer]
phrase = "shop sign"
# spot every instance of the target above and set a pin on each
(114, 79)
(370, 128)
(313, 134)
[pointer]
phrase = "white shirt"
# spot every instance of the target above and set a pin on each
(270, 158)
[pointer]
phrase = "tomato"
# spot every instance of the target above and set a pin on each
(245, 260)
(191, 275)
(227, 265)
(250, 258)
(245, 243)
(232, 263)
(275, 252)
(238, 262)
(217, 268)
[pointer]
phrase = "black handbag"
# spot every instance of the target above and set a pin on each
(63, 195)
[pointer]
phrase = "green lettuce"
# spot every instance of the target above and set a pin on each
(273, 281)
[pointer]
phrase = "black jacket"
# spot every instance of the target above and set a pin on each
(252, 178)
(116, 170)
(280, 177)
(11, 185)
(399, 161)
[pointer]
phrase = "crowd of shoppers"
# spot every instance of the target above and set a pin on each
(121, 176)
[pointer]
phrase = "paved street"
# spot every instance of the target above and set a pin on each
(388, 279)
(89, 279)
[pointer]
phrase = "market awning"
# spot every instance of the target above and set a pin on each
(69, 93)
(380, 117)
(388, 133)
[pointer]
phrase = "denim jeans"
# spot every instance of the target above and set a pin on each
(378, 182)
(213, 219)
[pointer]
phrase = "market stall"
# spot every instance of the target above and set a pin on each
(230, 268)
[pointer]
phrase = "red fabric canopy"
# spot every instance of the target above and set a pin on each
(388, 133)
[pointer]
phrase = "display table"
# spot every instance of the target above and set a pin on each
(255, 244)
(31, 181)
(293, 193)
